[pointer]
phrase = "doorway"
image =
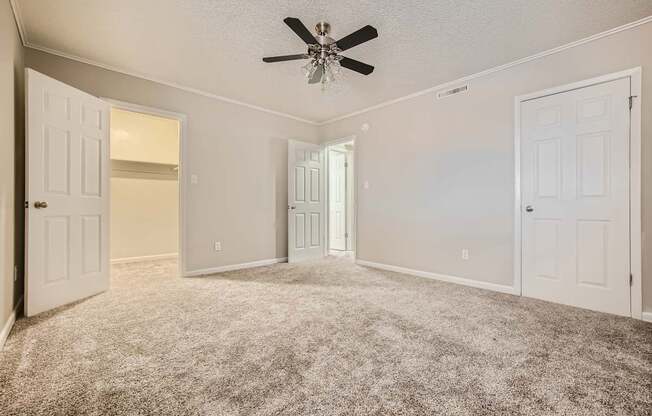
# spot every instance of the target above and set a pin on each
(68, 190)
(145, 184)
(341, 197)
(580, 194)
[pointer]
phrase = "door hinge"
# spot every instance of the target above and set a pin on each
(631, 101)
(631, 279)
(346, 235)
(26, 204)
(346, 164)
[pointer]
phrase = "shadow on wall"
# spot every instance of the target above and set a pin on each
(278, 158)
(19, 182)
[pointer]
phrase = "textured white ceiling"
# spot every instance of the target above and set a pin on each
(217, 46)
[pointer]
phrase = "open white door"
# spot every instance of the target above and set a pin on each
(306, 206)
(67, 253)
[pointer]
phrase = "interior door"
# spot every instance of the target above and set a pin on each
(306, 205)
(337, 230)
(67, 194)
(575, 164)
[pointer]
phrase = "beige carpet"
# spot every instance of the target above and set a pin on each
(324, 338)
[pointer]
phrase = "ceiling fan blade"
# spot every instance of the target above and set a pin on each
(359, 36)
(285, 58)
(316, 76)
(356, 66)
(300, 29)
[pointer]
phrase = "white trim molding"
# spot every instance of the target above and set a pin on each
(442, 277)
(354, 228)
(230, 267)
(6, 329)
(635, 231)
(26, 43)
(18, 19)
(167, 83)
(495, 69)
(138, 259)
(646, 316)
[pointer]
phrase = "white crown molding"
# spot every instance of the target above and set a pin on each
(493, 70)
(27, 44)
(166, 83)
(17, 18)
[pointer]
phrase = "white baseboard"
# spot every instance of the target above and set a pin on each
(219, 269)
(168, 256)
(445, 278)
(9, 324)
(646, 316)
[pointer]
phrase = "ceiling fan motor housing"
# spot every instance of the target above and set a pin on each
(322, 29)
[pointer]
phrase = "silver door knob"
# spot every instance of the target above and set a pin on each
(529, 208)
(40, 204)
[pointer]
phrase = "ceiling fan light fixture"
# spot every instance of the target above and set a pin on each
(330, 70)
(324, 62)
(309, 69)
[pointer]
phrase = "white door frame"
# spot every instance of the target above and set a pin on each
(636, 268)
(347, 186)
(354, 228)
(183, 121)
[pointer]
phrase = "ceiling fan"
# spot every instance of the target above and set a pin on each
(323, 53)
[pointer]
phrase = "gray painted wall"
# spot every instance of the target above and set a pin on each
(441, 172)
(12, 116)
(239, 155)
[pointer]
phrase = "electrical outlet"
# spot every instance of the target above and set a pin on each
(218, 246)
(465, 254)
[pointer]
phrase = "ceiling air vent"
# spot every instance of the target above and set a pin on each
(456, 90)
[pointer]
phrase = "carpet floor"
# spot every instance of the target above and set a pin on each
(321, 338)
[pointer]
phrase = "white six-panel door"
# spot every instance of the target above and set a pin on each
(337, 221)
(306, 201)
(575, 182)
(66, 189)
